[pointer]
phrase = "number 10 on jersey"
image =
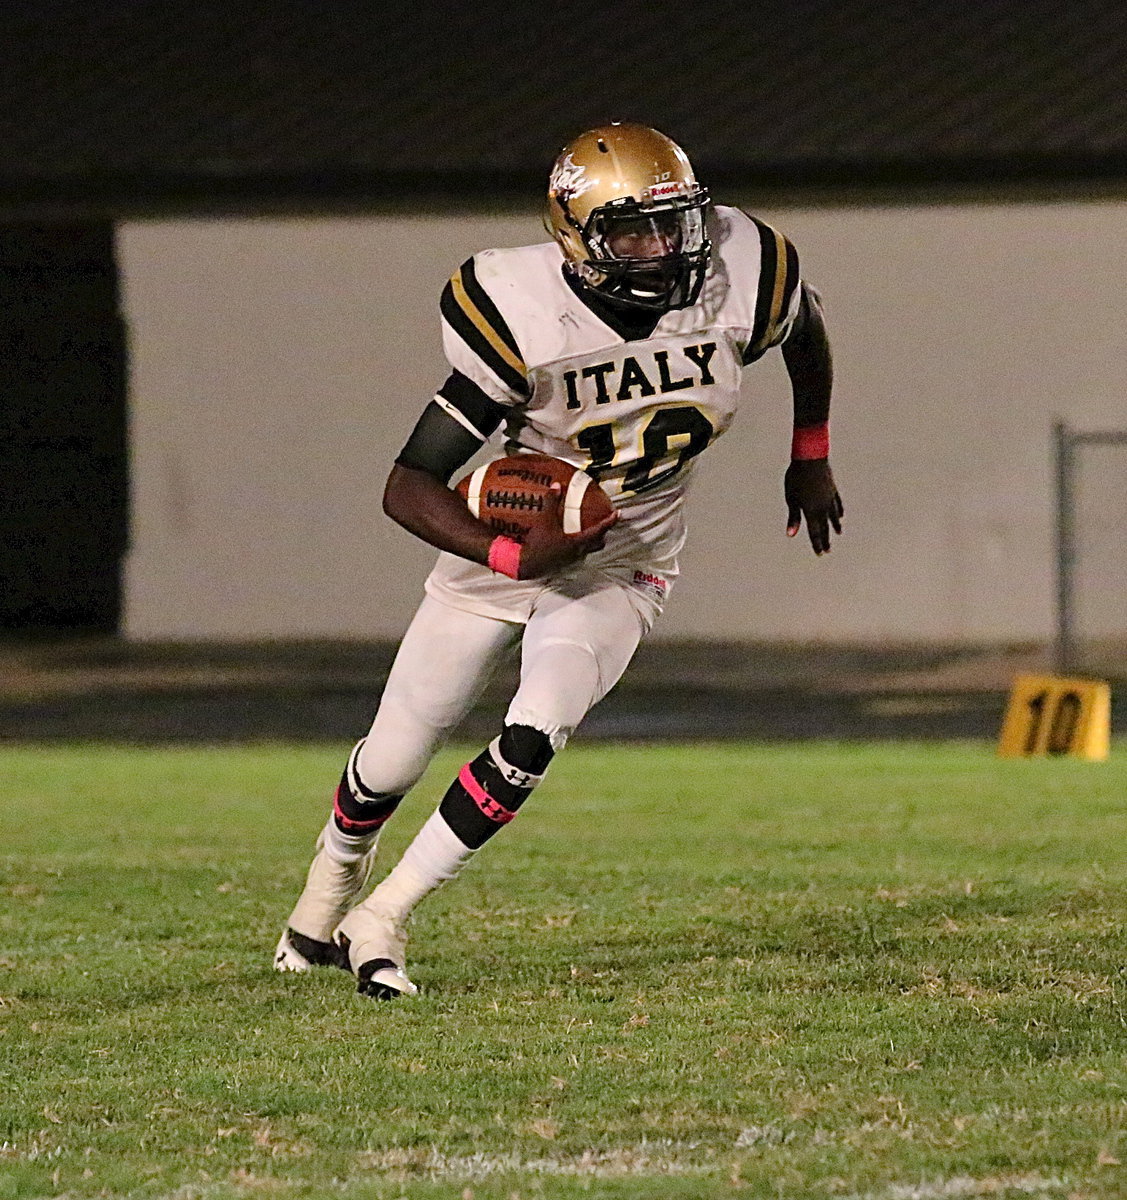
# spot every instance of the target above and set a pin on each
(1050, 715)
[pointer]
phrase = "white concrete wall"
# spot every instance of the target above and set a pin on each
(278, 365)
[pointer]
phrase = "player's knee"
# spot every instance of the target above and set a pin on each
(389, 764)
(558, 687)
(359, 808)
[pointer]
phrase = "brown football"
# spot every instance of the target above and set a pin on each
(510, 494)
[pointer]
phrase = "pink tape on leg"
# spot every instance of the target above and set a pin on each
(351, 825)
(494, 810)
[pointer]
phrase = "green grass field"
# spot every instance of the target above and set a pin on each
(884, 971)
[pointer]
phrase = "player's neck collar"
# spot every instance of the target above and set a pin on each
(630, 325)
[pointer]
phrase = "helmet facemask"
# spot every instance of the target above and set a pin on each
(650, 256)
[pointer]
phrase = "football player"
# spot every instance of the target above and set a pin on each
(618, 346)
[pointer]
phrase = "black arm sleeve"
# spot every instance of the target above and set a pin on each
(809, 362)
(439, 444)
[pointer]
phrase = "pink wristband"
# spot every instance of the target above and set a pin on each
(811, 441)
(504, 556)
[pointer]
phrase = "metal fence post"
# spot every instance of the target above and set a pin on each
(1064, 650)
(1065, 444)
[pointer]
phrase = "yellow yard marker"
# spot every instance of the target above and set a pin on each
(1048, 714)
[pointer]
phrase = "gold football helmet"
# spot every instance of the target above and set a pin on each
(626, 210)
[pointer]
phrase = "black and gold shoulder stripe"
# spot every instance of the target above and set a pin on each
(469, 311)
(778, 277)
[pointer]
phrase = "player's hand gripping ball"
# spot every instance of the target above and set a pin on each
(512, 495)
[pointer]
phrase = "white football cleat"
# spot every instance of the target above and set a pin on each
(373, 942)
(331, 889)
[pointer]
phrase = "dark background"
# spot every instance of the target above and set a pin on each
(125, 107)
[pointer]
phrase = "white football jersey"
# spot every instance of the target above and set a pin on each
(633, 412)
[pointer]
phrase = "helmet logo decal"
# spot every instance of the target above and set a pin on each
(660, 190)
(569, 178)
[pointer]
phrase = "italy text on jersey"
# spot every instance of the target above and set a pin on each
(634, 413)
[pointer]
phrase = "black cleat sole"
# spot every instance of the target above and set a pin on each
(318, 954)
(369, 987)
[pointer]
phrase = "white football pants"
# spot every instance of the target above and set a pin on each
(573, 650)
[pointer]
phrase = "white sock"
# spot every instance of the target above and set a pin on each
(435, 855)
(346, 848)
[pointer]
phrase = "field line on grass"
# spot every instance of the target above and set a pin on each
(628, 1161)
(659, 1157)
(663, 1157)
(967, 1185)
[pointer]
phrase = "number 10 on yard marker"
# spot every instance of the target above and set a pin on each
(1050, 715)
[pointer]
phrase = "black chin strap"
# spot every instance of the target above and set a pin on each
(631, 324)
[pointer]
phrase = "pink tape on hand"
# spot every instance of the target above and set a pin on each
(504, 556)
(811, 441)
